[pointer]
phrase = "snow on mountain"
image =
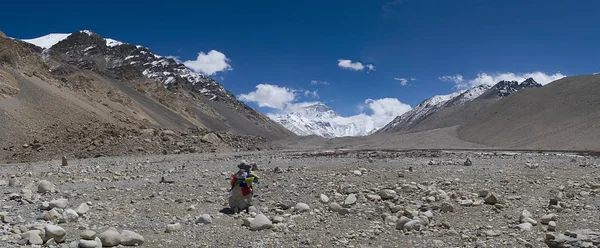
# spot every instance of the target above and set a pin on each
(316, 118)
(467, 95)
(47, 41)
(88, 50)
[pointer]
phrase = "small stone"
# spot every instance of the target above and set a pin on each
(44, 187)
(447, 207)
(70, 215)
(130, 238)
(552, 226)
(301, 207)
(59, 203)
(110, 238)
(525, 214)
(413, 225)
(350, 200)
(483, 193)
(204, 219)
(33, 237)
(55, 232)
(468, 162)
(401, 221)
(491, 199)
(491, 233)
(45, 206)
(338, 209)
(357, 173)
(524, 226)
(64, 161)
(547, 218)
(530, 221)
(52, 215)
(13, 182)
(323, 198)
(88, 235)
(173, 228)
(438, 243)
(260, 222)
(467, 202)
(278, 219)
(391, 219)
(82, 209)
(253, 210)
(373, 197)
(387, 194)
(3, 183)
(96, 243)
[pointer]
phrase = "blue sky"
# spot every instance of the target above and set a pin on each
(288, 44)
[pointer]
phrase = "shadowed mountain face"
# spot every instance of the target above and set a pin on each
(561, 115)
(454, 109)
(93, 96)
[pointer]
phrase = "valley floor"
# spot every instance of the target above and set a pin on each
(126, 193)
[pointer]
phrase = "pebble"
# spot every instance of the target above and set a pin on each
(447, 207)
(82, 209)
(59, 203)
(467, 202)
(52, 215)
(387, 194)
(412, 225)
(130, 238)
(110, 238)
(373, 197)
(96, 243)
(204, 219)
(525, 226)
(547, 218)
(323, 198)
(33, 237)
(491, 199)
(70, 215)
(55, 232)
(44, 187)
(260, 222)
(301, 207)
(335, 207)
(357, 172)
(278, 219)
(552, 226)
(350, 200)
(483, 193)
(88, 235)
(401, 221)
(173, 228)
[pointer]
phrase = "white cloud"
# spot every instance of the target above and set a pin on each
(356, 66)
(209, 63)
(492, 79)
(385, 110)
(403, 81)
(313, 94)
(319, 82)
(176, 58)
(371, 67)
(413, 79)
(272, 96)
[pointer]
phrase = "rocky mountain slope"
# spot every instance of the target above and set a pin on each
(316, 118)
(561, 115)
(453, 109)
(87, 96)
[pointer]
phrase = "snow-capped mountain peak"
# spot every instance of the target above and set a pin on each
(47, 41)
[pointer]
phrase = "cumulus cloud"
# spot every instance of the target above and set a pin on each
(319, 82)
(385, 110)
(313, 94)
(271, 96)
(356, 66)
(491, 79)
(403, 81)
(209, 63)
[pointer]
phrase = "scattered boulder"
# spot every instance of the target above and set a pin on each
(33, 237)
(204, 219)
(491, 199)
(447, 207)
(55, 232)
(260, 222)
(335, 207)
(88, 235)
(59, 203)
(579, 238)
(524, 226)
(551, 226)
(547, 218)
(64, 161)
(301, 207)
(412, 225)
(401, 221)
(45, 187)
(70, 215)
(387, 194)
(350, 200)
(468, 162)
(130, 238)
(95, 243)
(323, 198)
(82, 209)
(110, 238)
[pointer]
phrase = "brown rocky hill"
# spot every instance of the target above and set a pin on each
(564, 114)
(67, 101)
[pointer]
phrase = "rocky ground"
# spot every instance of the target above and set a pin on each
(307, 199)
